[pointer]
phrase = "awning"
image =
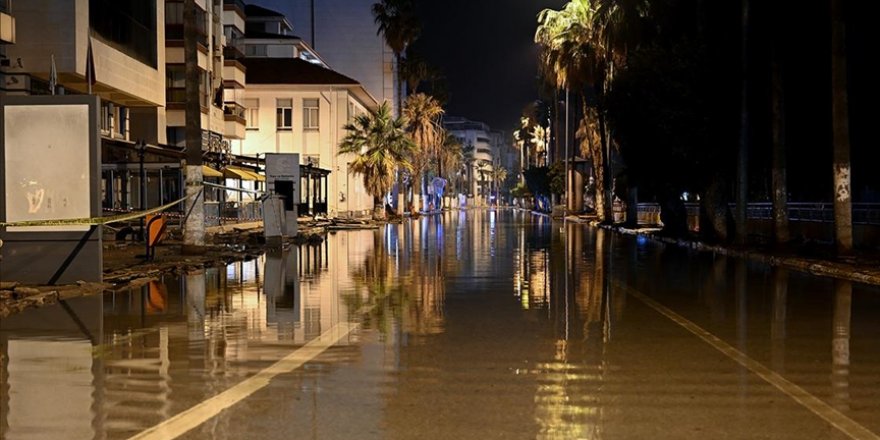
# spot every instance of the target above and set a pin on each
(237, 173)
(243, 174)
(210, 172)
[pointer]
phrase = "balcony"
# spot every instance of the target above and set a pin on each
(234, 5)
(234, 117)
(234, 74)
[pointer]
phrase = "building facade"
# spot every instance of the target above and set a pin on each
(476, 139)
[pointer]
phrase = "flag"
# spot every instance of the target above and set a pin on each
(53, 75)
(90, 67)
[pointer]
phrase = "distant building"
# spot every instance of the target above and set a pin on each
(344, 33)
(476, 139)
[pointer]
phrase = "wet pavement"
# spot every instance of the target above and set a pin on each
(476, 324)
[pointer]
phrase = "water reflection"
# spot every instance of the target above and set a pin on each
(479, 323)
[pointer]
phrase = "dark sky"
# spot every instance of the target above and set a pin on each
(484, 48)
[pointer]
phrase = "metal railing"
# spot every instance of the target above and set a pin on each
(863, 213)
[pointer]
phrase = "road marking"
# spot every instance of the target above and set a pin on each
(837, 419)
(201, 413)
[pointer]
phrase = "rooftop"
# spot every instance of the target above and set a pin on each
(259, 11)
(291, 71)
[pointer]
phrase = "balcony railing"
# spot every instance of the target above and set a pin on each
(233, 110)
(177, 95)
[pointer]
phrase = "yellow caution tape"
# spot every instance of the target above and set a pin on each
(96, 220)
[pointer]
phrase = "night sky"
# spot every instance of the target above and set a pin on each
(485, 50)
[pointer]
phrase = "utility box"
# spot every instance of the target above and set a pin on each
(283, 180)
(50, 189)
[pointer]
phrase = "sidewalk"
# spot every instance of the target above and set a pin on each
(860, 268)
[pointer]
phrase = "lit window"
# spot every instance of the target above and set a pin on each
(311, 114)
(284, 114)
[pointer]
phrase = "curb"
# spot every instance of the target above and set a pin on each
(813, 267)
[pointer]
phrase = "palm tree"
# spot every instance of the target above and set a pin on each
(399, 26)
(381, 147)
(620, 26)
(573, 57)
(778, 173)
(450, 162)
(840, 124)
(422, 114)
(499, 175)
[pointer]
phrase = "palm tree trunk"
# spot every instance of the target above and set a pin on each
(378, 208)
(603, 180)
(742, 157)
(840, 122)
(194, 232)
(780, 187)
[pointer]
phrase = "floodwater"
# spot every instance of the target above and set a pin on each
(470, 325)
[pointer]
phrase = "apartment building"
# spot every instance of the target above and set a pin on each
(477, 140)
(122, 43)
(223, 77)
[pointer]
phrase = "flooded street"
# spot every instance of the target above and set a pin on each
(476, 324)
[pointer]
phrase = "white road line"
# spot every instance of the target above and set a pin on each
(837, 419)
(195, 416)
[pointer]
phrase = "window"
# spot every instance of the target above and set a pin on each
(252, 114)
(122, 123)
(128, 26)
(256, 50)
(311, 114)
(284, 114)
(106, 118)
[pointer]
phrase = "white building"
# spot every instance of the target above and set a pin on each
(344, 33)
(476, 139)
(294, 106)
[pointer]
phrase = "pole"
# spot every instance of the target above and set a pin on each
(194, 232)
(141, 147)
(567, 156)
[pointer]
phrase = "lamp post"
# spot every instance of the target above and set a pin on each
(141, 147)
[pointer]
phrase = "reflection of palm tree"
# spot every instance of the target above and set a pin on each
(380, 146)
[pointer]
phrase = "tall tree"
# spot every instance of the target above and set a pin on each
(380, 146)
(621, 27)
(422, 114)
(778, 174)
(742, 157)
(840, 124)
(399, 26)
(194, 232)
(574, 58)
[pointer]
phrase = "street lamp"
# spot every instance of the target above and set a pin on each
(141, 147)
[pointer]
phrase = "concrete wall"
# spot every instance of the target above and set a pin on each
(321, 144)
(345, 36)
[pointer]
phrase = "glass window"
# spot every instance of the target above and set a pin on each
(256, 50)
(252, 113)
(311, 114)
(122, 124)
(284, 114)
